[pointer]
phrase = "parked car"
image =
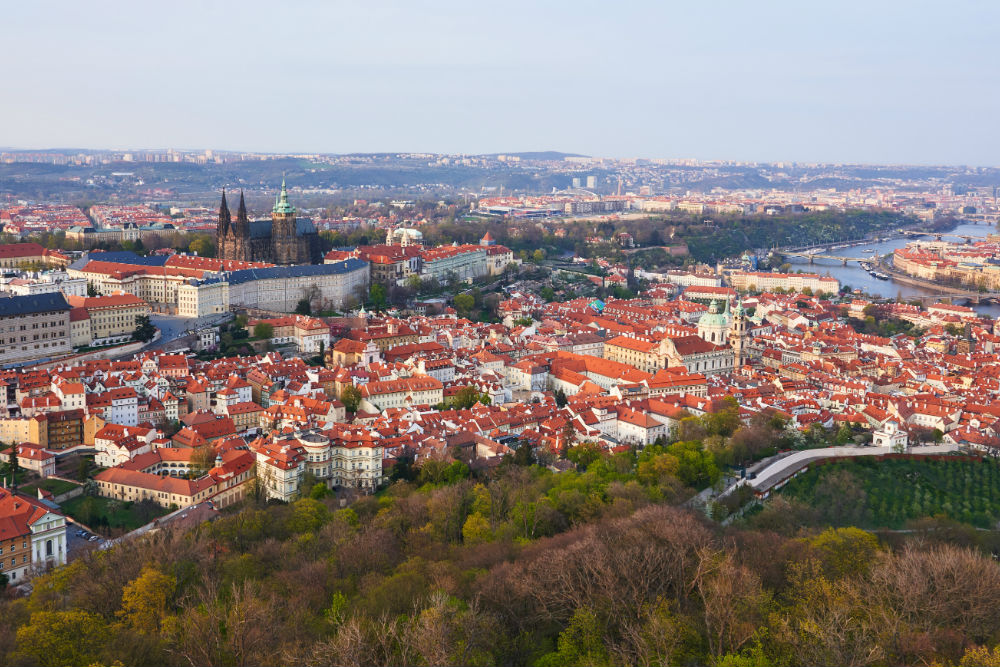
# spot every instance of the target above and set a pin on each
(93, 538)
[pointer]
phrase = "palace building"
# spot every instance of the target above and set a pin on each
(284, 239)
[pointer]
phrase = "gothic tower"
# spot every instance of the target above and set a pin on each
(285, 246)
(241, 233)
(222, 229)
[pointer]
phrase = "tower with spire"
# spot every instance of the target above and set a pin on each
(284, 239)
(285, 248)
(224, 217)
(738, 335)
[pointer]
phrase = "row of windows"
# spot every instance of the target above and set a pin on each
(13, 547)
(37, 346)
(13, 561)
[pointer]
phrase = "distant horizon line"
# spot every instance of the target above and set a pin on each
(13, 149)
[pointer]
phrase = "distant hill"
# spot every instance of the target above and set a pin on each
(541, 155)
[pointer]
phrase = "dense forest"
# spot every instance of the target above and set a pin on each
(521, 566)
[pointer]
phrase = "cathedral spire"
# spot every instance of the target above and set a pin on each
(224, 217)
(281, 204)
(241, 213)
(242, 224)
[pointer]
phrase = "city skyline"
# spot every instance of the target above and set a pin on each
(869, 85)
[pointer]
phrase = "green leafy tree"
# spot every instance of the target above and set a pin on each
(144, 329)
(70, 638)
(145, 600)
(13, 464)
(377, 297)
(350, 396)
(561, 399)
(584, 454)
(524, 455)
(303, 307)
(263, 330)
(308, 515)
(464, 304)
(476, 530)
(466, 397)
(581, 643)
(845, 551)
(202, 245)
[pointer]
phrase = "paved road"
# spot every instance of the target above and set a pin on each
(174, 327)
(782, 469)
(171, 326)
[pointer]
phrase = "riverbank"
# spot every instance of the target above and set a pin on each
(854, 277)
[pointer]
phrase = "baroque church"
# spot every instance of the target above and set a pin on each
(284, 239)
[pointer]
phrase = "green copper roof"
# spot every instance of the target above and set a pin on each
(713, 318)
(281, 204)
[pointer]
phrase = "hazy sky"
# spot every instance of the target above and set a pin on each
(870, 81)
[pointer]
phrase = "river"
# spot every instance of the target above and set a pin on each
(857, 278)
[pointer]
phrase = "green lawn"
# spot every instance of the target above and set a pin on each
(53, 486)
(113, 516)
(21, 477)
(870, 493)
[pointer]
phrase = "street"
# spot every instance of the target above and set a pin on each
(173, 327)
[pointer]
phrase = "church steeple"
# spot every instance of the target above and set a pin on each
(281, 204)
(224, 217)
(241, 212)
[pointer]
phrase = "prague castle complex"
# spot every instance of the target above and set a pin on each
(284, 239)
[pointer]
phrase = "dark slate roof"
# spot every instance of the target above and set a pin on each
(128, 257)
(33, 303)
(304, 226)
(298, 271)
(260, 229)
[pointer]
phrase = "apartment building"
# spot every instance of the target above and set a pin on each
(112, 318)
(32, 536)
(151, 477)
(308, 334)
(46, 283)
(390, 264)
(461, 261)
(646, 355)
(280, 288)
(344, 457)
(33, 327)
(418, 390)
(198, 298)
(747, 280)
(16, 255)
